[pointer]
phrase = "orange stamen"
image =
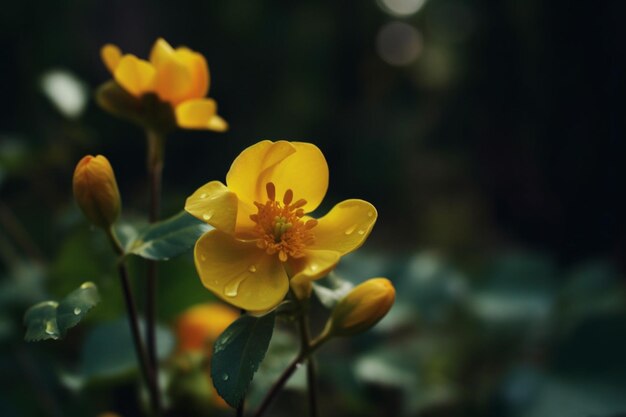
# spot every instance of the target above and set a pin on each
(280, 228)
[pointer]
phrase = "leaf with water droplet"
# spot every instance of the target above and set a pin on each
(51, 319)
(169, 238)
(73, 308)
(237, 354)
(41, 322)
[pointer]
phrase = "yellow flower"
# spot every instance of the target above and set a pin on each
(362, 308)
(178, 76)
(95, 190)
(199, 326)
(263, 236)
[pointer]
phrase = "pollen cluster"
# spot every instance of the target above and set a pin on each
(279, 226)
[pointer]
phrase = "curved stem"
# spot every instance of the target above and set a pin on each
(133, 322)
(307, 348)
(287, 373)
(305, 335)
(156, 149)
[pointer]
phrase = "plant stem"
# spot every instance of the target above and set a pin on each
(278, 385)
(305, 335)
(156, 148)
(305, 353)
(133, 322)
(240, 409)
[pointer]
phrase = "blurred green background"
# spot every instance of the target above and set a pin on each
(488, 134)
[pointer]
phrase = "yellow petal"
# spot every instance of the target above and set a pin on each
(197, 66)
(305, 172)
(246, 172)
(345, 227)
(111, 56)
(199, 114)
(161, 51)
(135, 75)
(173, 80)
(217, 124)
(214, 204)
(314, 265)
(240, 273)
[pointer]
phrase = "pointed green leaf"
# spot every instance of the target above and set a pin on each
(168, 238)
(237, 354)
(52, 319)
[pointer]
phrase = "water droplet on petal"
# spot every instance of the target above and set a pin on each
(203, 195)
(207, 215)
(313, 267)
(77, 311)
(225, 377)
(202, 258)
(370, 214)
(232, 288)
(350, 229)
(361, 232)
(252, 268)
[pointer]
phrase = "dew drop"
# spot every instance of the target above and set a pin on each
(203, 195)
(202, 258)
(370, 214)
(232, 288)
(225, 377)
(77, 311)
(361, 232)
(252, 268)
(313, 267)
(350, 229)
(50, 328)
(207, 215)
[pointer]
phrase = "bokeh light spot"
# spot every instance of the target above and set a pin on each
(399, 43)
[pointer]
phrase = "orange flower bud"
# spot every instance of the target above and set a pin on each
(200, 326)
(95, 190)
(362, 308)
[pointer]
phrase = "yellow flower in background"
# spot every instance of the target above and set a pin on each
(95, 190)
(263, 236)
(178, 76)
(198, 327)
(362, 308)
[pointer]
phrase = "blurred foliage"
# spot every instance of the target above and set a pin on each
(494, 159)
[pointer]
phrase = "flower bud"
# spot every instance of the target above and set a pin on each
(95, 190)
(362, 308)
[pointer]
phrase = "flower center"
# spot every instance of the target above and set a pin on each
(279, 226)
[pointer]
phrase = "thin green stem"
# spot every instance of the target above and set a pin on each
(305, 336)
(156, 149)
(287, 373)
(133, 322)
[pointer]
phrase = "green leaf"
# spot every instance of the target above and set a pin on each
(73, 308)
(108, 350)
(168, 238)
(41, 322)
(51, 319)
(237, 354)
